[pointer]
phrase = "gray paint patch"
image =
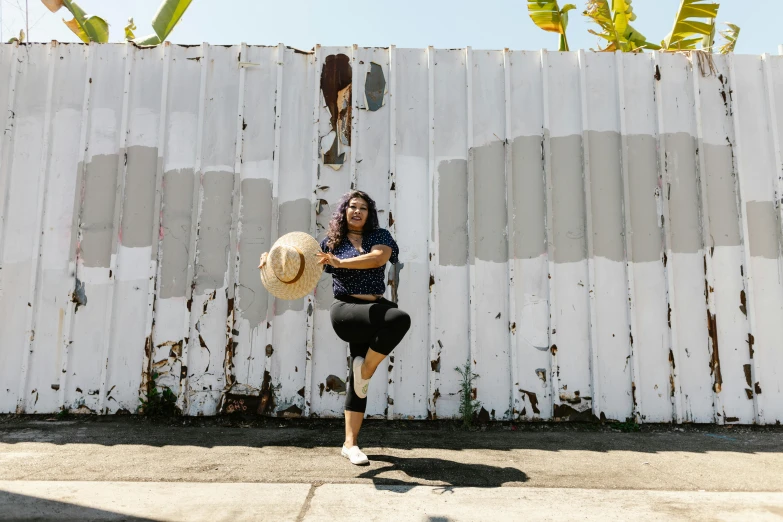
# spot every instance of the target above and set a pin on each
(607, 195)
(529, 225)
(97, 220)
(176, 207)
(762, 229)
(138, 208)
(453, 212)
(568, 199)
(647, 239)
(255, 216)
(489, 171)
(721, 195)
(683, 196)
(214, 230)
(293, 216)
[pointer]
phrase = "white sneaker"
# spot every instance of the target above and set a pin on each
(355, 455)
(360, 386)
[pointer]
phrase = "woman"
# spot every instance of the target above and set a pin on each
(355, 252)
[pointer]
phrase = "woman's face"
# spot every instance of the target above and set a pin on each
(357, 213)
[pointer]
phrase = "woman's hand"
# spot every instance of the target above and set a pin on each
(262, 260)
(326, 258)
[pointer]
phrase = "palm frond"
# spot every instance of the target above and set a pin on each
(730, 35)
(692, 23)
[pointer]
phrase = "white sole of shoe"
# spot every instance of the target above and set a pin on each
(360, 386)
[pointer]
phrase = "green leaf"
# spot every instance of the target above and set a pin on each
(616, 26)
(167, 17)
(692, 23)
(730, 35)
(87, 28)
(151, 40)
(549, 17)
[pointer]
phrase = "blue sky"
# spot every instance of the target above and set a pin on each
(483, 24)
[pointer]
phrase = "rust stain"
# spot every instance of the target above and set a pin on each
(633, 393)
(751, 341)
(566, 412)
(553, 349)
(757, 388)
(513, 327)
(321, 388)
(435, 365)
(291, 411)
(657, 75)
(267, 399)
(748, 379)
(432, 281)
(743, 305)
(269, 350)
(749, 393)
(712, 323)
(533, 399)
(335, 384)
(571, 398)
(541, 372)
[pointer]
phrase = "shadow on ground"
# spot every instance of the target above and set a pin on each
(406, 435)
(439, 470)
(23, 507)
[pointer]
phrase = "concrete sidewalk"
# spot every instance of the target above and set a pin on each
(217, 469)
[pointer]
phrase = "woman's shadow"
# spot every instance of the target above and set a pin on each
(428, 470)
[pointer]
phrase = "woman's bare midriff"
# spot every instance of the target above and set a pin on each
(367, 297)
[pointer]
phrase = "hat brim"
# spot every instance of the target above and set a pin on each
(309, 247)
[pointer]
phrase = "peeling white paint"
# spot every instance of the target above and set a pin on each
(473, 153)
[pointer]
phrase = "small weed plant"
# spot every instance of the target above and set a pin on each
(158, 403)
(628, 426)
(468, 406)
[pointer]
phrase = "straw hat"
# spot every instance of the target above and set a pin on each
(291, 270)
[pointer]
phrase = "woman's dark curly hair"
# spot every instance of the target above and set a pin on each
(338, 225)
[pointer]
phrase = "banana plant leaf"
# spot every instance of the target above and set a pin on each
(548, 16)
(615, 23)
(167, 17)
(692, 24)
(730, 35)
(87, 27)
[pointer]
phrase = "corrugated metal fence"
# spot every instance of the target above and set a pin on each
(598, 234)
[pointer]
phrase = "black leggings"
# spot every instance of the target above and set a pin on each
(379, 325)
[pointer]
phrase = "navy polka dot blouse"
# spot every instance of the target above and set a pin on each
(362, 281)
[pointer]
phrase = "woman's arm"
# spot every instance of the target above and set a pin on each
(378, 256)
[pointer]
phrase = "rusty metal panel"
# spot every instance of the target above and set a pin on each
(411, 190)
(598, 235)
(604, 202)
(756, 163)
(529, 326)
(645, 229)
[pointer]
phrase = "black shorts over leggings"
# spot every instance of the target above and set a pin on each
(379, 325)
